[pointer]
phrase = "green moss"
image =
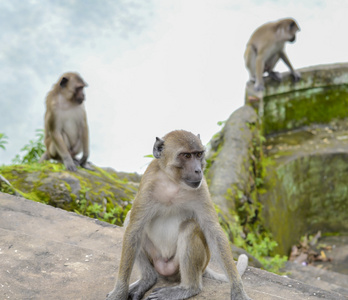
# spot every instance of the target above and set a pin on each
(98, 194)
(306, 195)
(296, 109)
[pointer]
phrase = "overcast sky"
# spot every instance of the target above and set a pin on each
(151, 66)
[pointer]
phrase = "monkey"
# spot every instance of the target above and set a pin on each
(66, 128)
(173, 229)
(266, 46)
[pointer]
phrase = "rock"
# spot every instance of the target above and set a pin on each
(318, 98)
(104, 194)
(46, 252)
(306, 130)
(230, 158)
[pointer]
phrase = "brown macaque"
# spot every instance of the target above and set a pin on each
(173, 228)
(66, 129)
(266, 46)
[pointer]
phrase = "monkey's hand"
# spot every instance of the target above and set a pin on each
(296, 76)
(258, 87)
(69, 164)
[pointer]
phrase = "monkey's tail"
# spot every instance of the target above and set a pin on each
(242, 265)
(209, 273)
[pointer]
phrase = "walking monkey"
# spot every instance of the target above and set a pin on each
(266, 46)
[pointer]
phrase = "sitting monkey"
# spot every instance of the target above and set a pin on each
(66, 129)
(173, 228)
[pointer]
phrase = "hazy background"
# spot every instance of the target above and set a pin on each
(152, 66)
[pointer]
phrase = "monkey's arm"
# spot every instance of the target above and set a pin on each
(219, 246)
(85, 143)
(55, 132)
(296, 75)
(259, 69)
(120, 292)
(130, 249)
(63, 150)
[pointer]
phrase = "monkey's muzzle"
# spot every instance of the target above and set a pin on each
(193, 184)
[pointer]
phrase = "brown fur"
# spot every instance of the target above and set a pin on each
(66, 129)
(266, 46)
(172, 207)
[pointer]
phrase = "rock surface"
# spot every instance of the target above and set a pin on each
(230, 161)
(46, 252)
(100, 193)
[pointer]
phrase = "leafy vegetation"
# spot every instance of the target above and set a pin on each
(32, 151)
(3, 138)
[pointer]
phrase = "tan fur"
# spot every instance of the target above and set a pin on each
(266, 46)
(173, 226)
(66, 129)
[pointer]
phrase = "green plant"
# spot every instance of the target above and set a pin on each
(3, 138)
(261, 247)
(32, 151)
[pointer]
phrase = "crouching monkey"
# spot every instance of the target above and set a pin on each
(173, 227)
(66, 129)
(266, 46)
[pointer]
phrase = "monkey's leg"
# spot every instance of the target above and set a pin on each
(148, 278)
(44, 157)
(193, 256)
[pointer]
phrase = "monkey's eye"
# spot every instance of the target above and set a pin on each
(199, 154)
(187, 155)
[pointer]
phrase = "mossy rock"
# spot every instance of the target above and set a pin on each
(102, 193)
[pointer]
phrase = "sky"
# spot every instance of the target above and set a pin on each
(151, 66)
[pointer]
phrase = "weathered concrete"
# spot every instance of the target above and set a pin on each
(46, 252)
(318, 98)
(306, 129)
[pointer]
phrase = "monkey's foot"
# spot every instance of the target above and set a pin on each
(88, 165)
(172, 293)
(138, 289)
(259, 87)
(296, 76)
(275, 76)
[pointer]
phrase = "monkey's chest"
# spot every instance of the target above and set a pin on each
(72, 124)
(163, 232)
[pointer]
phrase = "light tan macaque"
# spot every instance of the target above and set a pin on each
(266, 46)
(173, 228)
(66, 129)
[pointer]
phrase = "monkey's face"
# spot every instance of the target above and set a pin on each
(292, 39)
(191, 165)
(79, 95)
(181, 156)
(293, 28)
(72, 86)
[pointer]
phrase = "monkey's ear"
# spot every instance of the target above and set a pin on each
(63, 82)
(158, 147)
(199, 136)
